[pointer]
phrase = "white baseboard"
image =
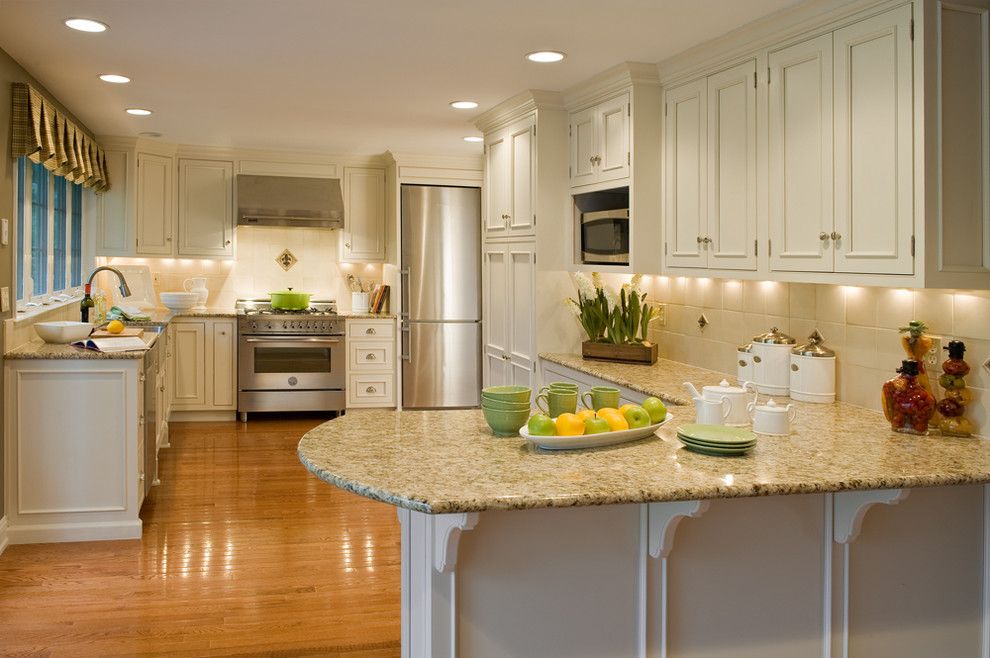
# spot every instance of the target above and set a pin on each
(4, 539)
(63, 532)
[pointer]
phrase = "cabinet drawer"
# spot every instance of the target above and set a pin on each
(371, 356)
(371, 390)
(370, 329)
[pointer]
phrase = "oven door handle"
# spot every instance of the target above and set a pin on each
(291, 339)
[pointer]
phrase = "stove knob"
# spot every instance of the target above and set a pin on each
(269, 325)
(254, 325)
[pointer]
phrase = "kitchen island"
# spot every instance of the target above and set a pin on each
(843, 539)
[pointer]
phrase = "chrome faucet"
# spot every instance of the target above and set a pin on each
(125, 290)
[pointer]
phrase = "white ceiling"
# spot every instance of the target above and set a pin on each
(337, 76)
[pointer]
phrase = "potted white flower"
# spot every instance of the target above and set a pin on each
(616, 325)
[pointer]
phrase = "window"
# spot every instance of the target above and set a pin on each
(49, 234)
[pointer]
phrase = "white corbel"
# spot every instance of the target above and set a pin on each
(851, 506)
(663, 520)
(447, 529)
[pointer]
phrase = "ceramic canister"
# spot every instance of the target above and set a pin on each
(772, 362)
(813, 371)
(744, 363)
(738, 397)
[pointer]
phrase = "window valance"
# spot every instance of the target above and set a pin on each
(46, 136)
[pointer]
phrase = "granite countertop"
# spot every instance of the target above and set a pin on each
(664, 379)
(449, 461)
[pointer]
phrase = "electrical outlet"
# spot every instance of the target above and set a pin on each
(934, 355)
(4, 299)
(659, 314)
(156, 279)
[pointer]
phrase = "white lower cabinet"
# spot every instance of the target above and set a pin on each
(509, 270)
(554, 372)
(370, 363)
(203, 364)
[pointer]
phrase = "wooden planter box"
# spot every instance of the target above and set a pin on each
(635, 353)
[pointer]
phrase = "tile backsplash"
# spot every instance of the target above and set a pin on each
(255, 271)
(860, 324)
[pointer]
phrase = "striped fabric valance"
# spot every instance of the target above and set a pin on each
(44, 134)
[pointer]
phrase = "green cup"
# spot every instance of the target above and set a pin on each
(560, 386)
(600, 397)
(553, 403)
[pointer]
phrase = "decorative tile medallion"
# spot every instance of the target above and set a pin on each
(286, 259)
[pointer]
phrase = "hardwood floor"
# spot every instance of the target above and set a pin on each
(244, 553)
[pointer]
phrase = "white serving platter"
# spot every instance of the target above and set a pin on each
(592, 440)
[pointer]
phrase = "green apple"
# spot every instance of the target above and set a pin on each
(596, 426)
(637, 416)
(656, 408)
(541, 425)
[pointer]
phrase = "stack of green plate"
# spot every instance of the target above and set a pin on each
(716, 440)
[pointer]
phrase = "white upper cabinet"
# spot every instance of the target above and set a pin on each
(509, 208)
(154, 205)
(599, 142)
(710, 165)
(685, 190)
(364, 214)
(114, 233)
(206, 213)
(874, 163)
(730, 236)
(800, 157)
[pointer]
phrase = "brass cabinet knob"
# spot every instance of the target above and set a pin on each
(823, 236)
(370, 389)
(836, 236)
(347, 244)
(370, 330)
(369, 357)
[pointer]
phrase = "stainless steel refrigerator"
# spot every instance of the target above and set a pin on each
(441, 296)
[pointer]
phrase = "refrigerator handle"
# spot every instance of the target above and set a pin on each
(404, 291)
(406, 343)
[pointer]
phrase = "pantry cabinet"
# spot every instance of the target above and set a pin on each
(509, 281)
(364, 215)
(599, 142)
(509, 205)
(710, 169)
(203, 364)
(206, 208)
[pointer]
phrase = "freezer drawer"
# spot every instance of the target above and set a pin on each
(441, 364)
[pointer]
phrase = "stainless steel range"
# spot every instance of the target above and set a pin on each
(289, 360)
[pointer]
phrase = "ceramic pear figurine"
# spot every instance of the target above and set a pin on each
(952, 407)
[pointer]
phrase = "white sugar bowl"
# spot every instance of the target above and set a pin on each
(771, 418)
(737, 396)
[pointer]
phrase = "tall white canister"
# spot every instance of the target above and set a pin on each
(744, 363)
(771, 359)
(813, 371)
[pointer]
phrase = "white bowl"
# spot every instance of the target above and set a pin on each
(179, 301)
(63, 331)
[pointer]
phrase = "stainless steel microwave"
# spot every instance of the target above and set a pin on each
(605, 237)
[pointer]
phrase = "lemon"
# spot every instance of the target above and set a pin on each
(115, 327)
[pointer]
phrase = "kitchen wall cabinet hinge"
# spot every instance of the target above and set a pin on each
(912, 29)
(666, 105)
(534, 131)
(769, 247)
(628, 157)
(664, 248)
(570, 131)
(756, 247)
(534, 219)
(628, 109)
(912, 245)
(754, 79)
(569, 174)
(768, 75)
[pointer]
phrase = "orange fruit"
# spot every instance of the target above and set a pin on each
(616, 421)
(625, 407)
(604, 411)
(585, 414)
(570, 425)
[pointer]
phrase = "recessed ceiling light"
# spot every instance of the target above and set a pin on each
(114, 78)
(86, 25)
(545, 56)
(138, 112)
(464, 105)
(474, 138)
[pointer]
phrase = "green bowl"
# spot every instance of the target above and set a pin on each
(501, 405)
(506, 423)
(507, 393)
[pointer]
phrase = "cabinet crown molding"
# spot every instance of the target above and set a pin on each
(616, 79)
(517, 107)
(470, 162)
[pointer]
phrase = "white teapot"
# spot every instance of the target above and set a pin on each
(737, 396)
(771, 418)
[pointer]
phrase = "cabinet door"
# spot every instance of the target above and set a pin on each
(522, 307)
(189, 364)
(685, 125)
(874, 162)
(206, 208)
(584, 147)
(521, 218)
(114, 235)
(800, 158)
(497, 160)
(224, 379)
(612, 154)
(154, 205)
(731, 164)
(364, 214)
(496, 314)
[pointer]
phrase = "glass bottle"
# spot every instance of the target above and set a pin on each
(86, 305)
(953, 406)
(906, 403)
(917, 344)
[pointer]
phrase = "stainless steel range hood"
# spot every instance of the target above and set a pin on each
(289, 201)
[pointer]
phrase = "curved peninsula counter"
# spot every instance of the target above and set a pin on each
(843, 539)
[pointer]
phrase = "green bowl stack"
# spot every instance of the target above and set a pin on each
(506, 408)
